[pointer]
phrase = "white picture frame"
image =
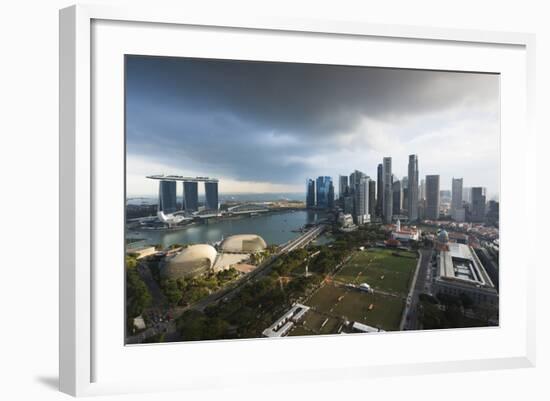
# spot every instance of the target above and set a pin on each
(83, 351)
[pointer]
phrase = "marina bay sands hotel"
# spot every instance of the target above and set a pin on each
(168, 193)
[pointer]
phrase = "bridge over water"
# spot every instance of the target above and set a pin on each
(303, 240)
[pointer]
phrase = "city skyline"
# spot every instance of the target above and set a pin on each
(271, 143)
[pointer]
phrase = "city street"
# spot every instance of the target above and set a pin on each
(422, 284)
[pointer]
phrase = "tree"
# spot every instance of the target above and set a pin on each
(137, 294)
(172, 292)
(214, 329)
(131, 261)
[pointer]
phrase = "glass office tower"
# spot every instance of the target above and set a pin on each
(330, 195)
(412, 188)
(372, 198)
(344, 187)
(478, 205)
(379, 190)
(432, 197)
(310, 193)
(323, 186)
(387, 201)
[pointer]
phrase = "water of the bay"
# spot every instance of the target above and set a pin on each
(274, 228)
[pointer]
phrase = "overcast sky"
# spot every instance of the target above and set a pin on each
(266, 127)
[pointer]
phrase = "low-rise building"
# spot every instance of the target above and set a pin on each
(346, 223)
(285, 323)
(357, 327)
(404, 234)
(461, 238)
(459, 271)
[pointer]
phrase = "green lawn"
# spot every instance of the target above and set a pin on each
(352, 305)
(300, 331)
(326, 297)
(386, 312)
(313, 321)
(381, 269)
(331, 326)
(317, 323)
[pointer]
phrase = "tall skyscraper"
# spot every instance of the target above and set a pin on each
(211, 195)
(456, 196)
(478, 205)
(190, 202)
(493, 212)
(343, 187)
(348, 204)
(310, 193)
(404, 195)
(457, 211)
(387, 200)
(354, 180)
(167, 197)
(372, 198)
(362, 201)
(397, 197)
(323, 185)
(422, 191)
(412, 188)
(467, 195)
(330, 200)
(432, 197)
(379, 190)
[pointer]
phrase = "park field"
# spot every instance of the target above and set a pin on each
(338, 302)
(316, 323)
(389, 271)
(384, 313)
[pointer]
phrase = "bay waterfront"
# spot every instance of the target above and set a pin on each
(275, 228)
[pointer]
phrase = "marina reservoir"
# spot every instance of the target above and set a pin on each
(274, 227)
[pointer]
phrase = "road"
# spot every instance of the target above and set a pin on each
(227, 292)
(421, 284)
(303, 239)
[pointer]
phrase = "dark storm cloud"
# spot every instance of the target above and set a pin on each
(260, 121)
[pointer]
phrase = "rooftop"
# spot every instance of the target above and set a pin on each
(460, 263)
(363, 328)
(283, 325)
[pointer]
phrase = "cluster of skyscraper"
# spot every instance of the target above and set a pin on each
(467, 203)
(320, 193)
(190, 196)
(365, 198)
(357, 196)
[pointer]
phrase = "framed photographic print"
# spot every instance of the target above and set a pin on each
(244, 190)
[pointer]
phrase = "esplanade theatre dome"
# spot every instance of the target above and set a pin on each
(192, 261)
(243, 243)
